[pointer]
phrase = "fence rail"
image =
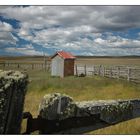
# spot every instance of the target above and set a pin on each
(25, 66)
(128, 73)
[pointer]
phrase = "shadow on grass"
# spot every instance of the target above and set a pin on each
(75, 125)
(96, 126)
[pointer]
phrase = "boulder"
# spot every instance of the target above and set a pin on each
(57, 107)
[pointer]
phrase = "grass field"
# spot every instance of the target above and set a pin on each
(83, 88)
(109, 61)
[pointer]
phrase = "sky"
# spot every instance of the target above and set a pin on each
(81, 30)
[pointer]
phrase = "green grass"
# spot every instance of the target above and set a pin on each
(83, 88)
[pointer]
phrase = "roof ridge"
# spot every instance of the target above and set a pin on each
(64, 55)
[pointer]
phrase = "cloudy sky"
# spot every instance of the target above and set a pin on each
(82, 30)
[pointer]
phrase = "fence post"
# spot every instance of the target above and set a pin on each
(118, 72)
(32, 66)
(45, 64)
(49, 66)
(42, 66)
(110, 72)
(99, 70)
(103, 69)
(18, 66)
(85, 70)
(76, 70)
(128, 74)
(4, 65)
(93, 70)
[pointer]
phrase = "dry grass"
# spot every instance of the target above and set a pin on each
(87, 88)
(109, 61)
(131, 127)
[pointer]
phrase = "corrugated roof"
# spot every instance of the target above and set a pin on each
(64, 55)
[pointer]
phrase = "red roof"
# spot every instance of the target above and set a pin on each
(64, 55)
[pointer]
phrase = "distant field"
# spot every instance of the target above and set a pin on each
(109, 61)
(22, 59)
(79, 60)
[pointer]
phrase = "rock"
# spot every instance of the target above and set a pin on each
(13, 86)
(117, 112)
(57, 107)
(135, 103)
(88, 108)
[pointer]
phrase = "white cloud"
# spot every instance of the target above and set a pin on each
(98, 17)
(6, 35)
(25, 34)
(66, 35)
(99, 41)
(87, 53)
(6, 38)
(5, 27)
(26, 50)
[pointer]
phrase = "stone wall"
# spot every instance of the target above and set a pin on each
(13, 86)
(110, 111)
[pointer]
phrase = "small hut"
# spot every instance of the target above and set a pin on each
(62, 64)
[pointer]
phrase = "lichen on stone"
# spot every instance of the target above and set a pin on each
(48, 107)
(13, 86)
(114, 113)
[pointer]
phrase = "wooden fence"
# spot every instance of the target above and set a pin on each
(25, 66)
(128, 73)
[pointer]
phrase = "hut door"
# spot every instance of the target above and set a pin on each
(59, 67)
